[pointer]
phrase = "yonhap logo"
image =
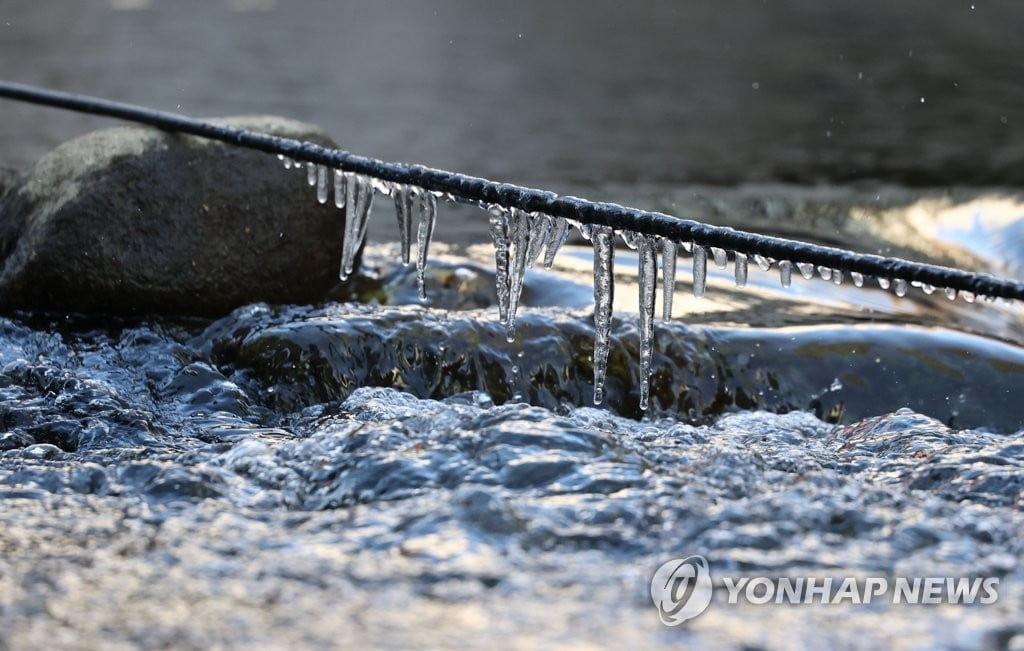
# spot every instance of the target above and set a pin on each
(681, 589)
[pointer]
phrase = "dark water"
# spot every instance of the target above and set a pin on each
(375, 472)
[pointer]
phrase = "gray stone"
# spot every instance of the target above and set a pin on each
(133, 220)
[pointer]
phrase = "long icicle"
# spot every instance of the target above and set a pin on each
(404, 196)
(499, 236)
(519, 246)
(647, 279)
(604, 291)
(668, 275)
(559, 233)
(428, 214)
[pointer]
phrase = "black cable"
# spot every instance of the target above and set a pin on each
(476, 190)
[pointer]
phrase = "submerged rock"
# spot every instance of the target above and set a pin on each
(134, 220)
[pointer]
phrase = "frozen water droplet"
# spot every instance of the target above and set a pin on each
(950, 293)
(604, 291)
(857, 278)
(927, 289)
(668, 277)
(900, 287)
(586, 230)
(428, 214)
(968, 296)
(740, 263)
(404, 198)
(339, 189)
(825, 273)
(837, 276)
(720, 257)
(700, 270)
(287, 161)
(321, 184)
(688, 247)
(806, 269)
(519, 245)
(647, 279)
(630, 238)
(786, 273)
(884, 283)
(559, 233)
(762, 262)
(499, 236)
(311, 174)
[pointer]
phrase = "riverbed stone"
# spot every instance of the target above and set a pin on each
(133, 220)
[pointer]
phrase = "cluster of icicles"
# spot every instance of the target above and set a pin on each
(521, 237)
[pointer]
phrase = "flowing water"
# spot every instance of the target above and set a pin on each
(384, 470)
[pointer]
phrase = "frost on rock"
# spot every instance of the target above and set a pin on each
(647, 272)
(428, 215)
(358, 201)
(668, 277)
(404, 196)
(604, 291)
(700, 270)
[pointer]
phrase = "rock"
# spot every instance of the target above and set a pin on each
(133, 220)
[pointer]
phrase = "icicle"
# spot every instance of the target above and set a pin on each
(321, 184)
(604, 291)
(837, 276)
(339, 188)
(786, 273)
(720, 257)
(668, 277)
(968, 296)
(358, 201)
(586, 230)
(858, 279)
(700, 270)
(428, 213)
(884, 283)
(499, 235)
(540, 231)
(519, 246)
(927, 289)
(806, 269)
(647, 278)
(900, 287)
(311, 173)
(287, 161)
(764, 263)
(740, 262)
(559, 233)
(688, 247)
(825, 273)
(631, 239)
(404, 196)
(950, 293)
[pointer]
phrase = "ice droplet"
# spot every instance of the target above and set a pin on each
(740, 263)
(720, 257)
(927, 289)
(858, 279)
(688, 247)
(762, 262)
(339, 188)
(321, 184)
(404, 197)
(358, 202)
(837, 276)
(499, 236)
(968, 296)
(825, 273)
(559, 233)
(428, 214)
(700, 270)
(631, 239)
(806, 269)
(604, 291)
(950, 293)
(884, 283)
(668, 277)
(311, 173)
(287, 161)
(786, 273)
(900, 287)
(647, 273)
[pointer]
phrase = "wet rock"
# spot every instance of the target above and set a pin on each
(134, 220)
(842, 374)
